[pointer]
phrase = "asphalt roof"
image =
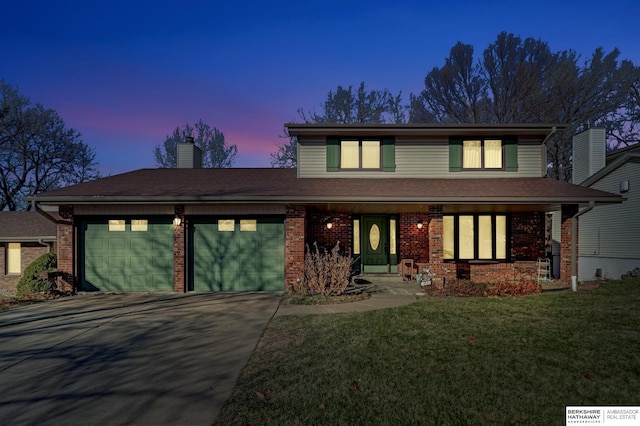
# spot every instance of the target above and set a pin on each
(25, 226)
(283, 185)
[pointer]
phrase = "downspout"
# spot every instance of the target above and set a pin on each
(42, 212)
(574, 243)
(551, 133)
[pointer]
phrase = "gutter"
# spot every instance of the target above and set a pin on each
(42, 212)
(574, 241)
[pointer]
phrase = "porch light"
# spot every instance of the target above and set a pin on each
(177, 221)
(420, 224)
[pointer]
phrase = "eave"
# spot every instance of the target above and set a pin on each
(437, 129)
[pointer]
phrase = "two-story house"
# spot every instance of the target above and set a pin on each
(467, 201)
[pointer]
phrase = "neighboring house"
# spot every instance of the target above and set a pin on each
(467, 201)
(609, 235)
(24, 236)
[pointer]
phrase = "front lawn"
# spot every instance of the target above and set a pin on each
(447, 361)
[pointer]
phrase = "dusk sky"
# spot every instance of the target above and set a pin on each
(125, 74)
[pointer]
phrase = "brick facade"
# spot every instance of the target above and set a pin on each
(29, 251)
(341, 231)
(66, 252)
(179, 253)
(413, 242)
(295, 237)
(568, 211)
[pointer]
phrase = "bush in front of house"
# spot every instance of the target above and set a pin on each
(467, 288)
(326, 273)
(32, 280)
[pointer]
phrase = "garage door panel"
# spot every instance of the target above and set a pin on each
(127, 260)
(236, 261)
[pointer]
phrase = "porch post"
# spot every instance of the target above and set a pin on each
(435, 246)
(567, 213)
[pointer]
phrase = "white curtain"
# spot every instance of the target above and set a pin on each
(471, 154)
(493, 154)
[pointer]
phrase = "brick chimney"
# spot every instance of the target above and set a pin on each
(189, 155)
(589, 152)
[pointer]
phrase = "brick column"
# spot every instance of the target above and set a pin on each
(66, 250)
(565, 242)
(294, 235)
(436, 263)
(179, 253)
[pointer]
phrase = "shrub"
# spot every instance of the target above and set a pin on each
(507, 288)
(325, 273)
(32, 280)
(467, 288)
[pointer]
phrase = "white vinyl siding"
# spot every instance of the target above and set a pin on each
(613, 230)
(416, 159)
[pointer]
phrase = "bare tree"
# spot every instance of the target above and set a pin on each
(215, 151)
(287, 153)
(522, 81)
(346, 106)
(37, 150)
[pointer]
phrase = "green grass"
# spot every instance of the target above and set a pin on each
(447, 361)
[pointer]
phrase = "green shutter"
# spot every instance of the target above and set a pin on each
(455, 154)
(389, 154)
(511, 153)
(333, 154)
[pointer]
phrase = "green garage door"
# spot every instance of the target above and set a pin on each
(126, 255)
(236, 254)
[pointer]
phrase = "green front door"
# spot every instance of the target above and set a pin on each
(375, 244)
(244, 254)
(126, 254)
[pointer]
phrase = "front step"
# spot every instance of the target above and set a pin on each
(378, 278)
(385, 283)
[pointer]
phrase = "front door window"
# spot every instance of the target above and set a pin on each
(374, 237)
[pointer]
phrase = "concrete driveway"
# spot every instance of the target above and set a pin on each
(127, 359)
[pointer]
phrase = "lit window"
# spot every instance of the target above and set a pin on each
(392, 236)
(360, 154)
(467, 237)
(356, 236)
(13, 258)
(248, 225)
(226, 225)
(482, 154)
(139, 225)
(116, 225)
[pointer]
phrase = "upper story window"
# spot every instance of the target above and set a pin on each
(355, 153)
(482, 154)
(493, 154)
(360, 154)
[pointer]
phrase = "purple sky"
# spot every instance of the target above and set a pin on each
(125, 74)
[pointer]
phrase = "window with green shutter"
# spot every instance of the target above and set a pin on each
(361, 154)
(483, 154)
